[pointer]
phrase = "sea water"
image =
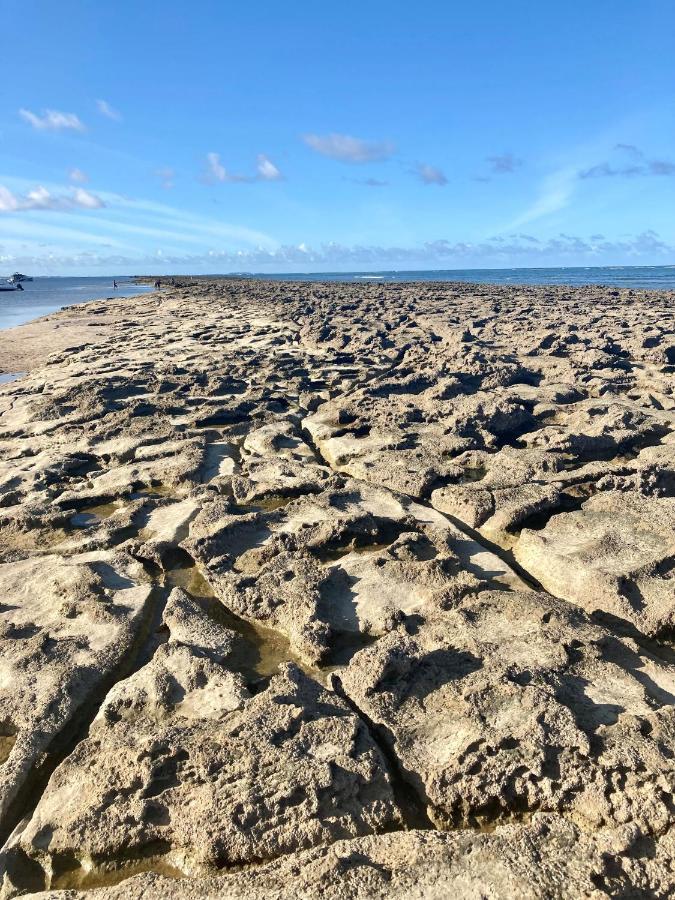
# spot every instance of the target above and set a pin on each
(46, 295)
(637, 277)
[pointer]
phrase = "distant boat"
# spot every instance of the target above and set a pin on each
(17, 277)
(10, 286)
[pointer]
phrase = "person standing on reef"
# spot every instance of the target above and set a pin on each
(158, 284)
(114, 285)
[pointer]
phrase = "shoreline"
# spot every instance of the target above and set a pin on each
(24, 347)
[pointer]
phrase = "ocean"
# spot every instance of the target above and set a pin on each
(652, 277)
(45, 295)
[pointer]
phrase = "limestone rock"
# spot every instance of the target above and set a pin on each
(181, 764)
(513, 703)
(67, 626)
(614, 555)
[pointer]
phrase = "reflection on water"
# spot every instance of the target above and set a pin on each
(93, 515)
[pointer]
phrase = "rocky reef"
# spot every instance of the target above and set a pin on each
(340, 591)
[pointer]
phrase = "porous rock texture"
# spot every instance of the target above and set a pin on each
(340, 590)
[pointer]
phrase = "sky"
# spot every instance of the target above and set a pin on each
(290, 137)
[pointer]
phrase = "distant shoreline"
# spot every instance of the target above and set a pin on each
(27, 345)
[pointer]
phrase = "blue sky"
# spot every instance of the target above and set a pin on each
(222, 136)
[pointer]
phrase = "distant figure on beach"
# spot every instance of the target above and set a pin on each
(158, 284)
(114, 284)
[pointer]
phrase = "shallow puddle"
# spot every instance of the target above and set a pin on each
(7, 741)
(330, 556)
(82, 877)
(262, 649)
(8, 377)
(471, 474)
(157, 491)
(93, 515)
(266, 504)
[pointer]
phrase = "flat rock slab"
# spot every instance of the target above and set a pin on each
(66, 626)
(351, 559)
(548, 859)
(183, 764)
(513, 703)
(616, 555)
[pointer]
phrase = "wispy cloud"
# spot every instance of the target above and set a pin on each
(166, 175)
(637, 165)
(39, 198)
(52, 120)
(370, 182)
(127, 226)
(430, 174)
(349, 149)
(265, 171)
(108, 111)
(504, 163)
(78, 176)
(215, 170)
(555, 193)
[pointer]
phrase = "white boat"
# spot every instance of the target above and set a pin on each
(17, 277)
(10, 286)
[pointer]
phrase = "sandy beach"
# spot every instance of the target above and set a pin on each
(339, 590)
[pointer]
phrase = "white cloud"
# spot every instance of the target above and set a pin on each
(39, 198)
(349, 149)
(215, 169)
(431, 175)
(78, 175)
(52, 120)
(8, 201)
(86, 200)
(509, 250)
(267, 171)
(108, 111)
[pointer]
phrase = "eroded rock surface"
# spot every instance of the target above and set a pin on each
(183, 763)
(67, 625)
(616, 555)
(513, 703)
(340, 590)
